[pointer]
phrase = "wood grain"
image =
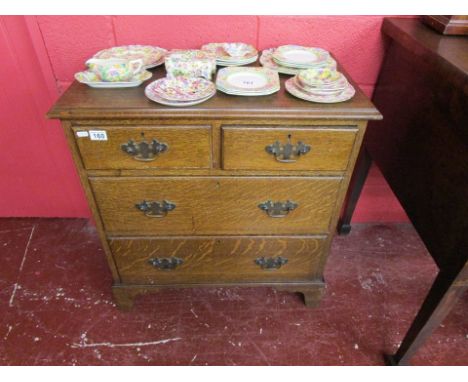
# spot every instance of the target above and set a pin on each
(227, 205)
(244, 147)
(216, 259)
(188, 147)
(83, 102)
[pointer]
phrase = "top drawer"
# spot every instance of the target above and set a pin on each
(167, 147)
(279, 148)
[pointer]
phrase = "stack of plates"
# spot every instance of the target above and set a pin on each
(290, 59)
(232, 53)
(320, 85)
(247, 81)
(152, 56)
(180, 91)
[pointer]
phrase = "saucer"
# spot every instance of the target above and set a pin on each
(89, 78)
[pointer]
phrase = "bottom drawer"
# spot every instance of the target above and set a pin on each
(217, 259)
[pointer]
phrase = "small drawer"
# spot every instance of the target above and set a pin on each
(140, 147)
(217, 259)
(150, 206)
(286, 149)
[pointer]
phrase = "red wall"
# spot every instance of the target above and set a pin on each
(41, 54)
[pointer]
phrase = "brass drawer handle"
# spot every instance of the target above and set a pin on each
(155, 209)
(287, 153)
(271, 262)
(144, 151)
(277, 209)
(165, 263)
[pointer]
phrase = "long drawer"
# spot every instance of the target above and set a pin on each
(141, 147)
(287, 148)
(217, 259)
(215, 205)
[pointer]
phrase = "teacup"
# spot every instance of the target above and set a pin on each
(115, 69)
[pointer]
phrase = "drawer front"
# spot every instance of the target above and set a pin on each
(217, 206)
(257, 148)
(140, 147)
(217, 259)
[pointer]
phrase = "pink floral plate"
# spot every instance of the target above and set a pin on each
(266, 60)
(181, 89)
(295, 90)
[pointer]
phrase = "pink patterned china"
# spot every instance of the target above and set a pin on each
(183, 88)
(295, 89)
(232, 53)
(323, 80)
(91, 79)
(190, 63)
(180, 92)
(238, 49)
(266, 60)
(297, 56)
(247, 81)
(151, 55)
(115, 69)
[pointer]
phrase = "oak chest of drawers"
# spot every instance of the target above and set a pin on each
(234, 191)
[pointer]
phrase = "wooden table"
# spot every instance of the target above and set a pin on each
(421, 147)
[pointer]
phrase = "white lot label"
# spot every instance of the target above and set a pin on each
(98, 135)
(82, 134)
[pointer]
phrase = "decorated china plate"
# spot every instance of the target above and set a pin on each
(298, 56)
(153, 96)
(91, 79)
(247, 80)
(295, 90)
(152, 56)
(182, 89)
(266, 60)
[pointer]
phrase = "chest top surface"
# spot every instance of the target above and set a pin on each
(82, 102)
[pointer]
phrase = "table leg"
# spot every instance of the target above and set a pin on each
(441, 298)
(361, 170)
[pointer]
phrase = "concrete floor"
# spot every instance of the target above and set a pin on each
(56, 307)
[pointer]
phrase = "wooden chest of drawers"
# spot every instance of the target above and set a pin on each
(235, 191)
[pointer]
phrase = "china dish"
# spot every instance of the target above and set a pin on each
(91, 79)
(190, 63)
(267, 61)
(318, 94)
(297, 56)
(180, 91)
(115, 69)
(183, 89)
(232, 53)
(247, 81)
(152, 56)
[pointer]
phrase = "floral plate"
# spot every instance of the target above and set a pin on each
(156, 98)
(152, 56)
(297, 56)
(245, 81)
(292, 87)
(182, 89)
(266, 59)
(91, 79)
